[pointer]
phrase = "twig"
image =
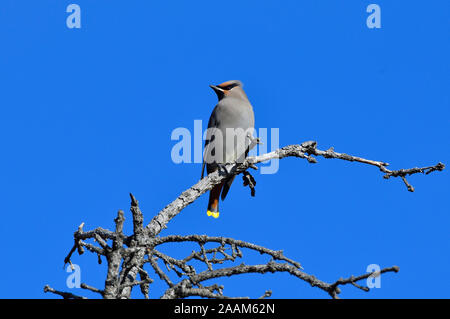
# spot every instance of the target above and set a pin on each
(334, 288)
(65, 295)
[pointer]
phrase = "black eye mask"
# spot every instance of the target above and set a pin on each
(229, 87)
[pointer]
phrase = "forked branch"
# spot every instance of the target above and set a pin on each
(130, 256)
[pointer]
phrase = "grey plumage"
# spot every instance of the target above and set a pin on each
(231, 121)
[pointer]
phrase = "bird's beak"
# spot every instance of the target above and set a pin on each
(216, 89)
(219, 91)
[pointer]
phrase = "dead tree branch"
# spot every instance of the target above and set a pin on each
(128, 256)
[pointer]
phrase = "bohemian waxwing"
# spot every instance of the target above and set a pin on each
(231, 124)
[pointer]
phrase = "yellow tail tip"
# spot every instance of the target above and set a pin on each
(213, 214)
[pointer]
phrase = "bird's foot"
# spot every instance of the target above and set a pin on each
(223, 168)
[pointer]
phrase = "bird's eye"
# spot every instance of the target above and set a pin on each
(229, 87)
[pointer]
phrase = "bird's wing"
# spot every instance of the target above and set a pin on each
(211, 124)
(203, 164)
(226, 187)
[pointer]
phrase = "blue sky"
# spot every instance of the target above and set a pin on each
(87, 114)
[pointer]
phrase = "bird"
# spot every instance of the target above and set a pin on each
(233, 111)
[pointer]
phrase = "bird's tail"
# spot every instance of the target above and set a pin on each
(213, 204)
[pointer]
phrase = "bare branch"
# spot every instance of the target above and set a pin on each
(114, 258)
(65, 295)
(159, 272)
(138, 218)
(267, 294)
(277, 255)
(93, 289)
(334, 288)
(126, 256)
(304, 150)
